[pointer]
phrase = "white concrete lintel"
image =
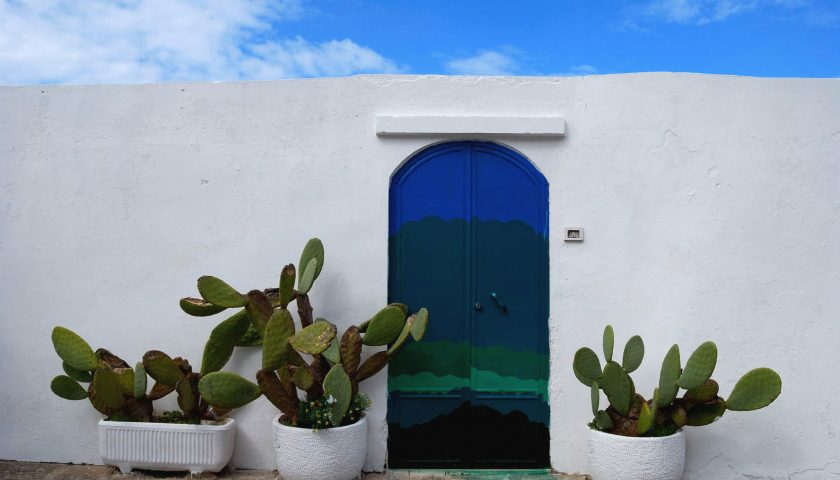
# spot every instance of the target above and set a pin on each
(545, 126)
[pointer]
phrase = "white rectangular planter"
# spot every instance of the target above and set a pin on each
(166, 446)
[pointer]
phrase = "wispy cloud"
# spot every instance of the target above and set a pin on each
(100, 41)
(702, 12)
(485, 62)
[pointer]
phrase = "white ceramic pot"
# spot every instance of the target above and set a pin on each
(614, 457)
(328, 454)
(166, 446)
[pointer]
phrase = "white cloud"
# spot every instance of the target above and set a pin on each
(137, 41)
(696, 11)
(486, 62)
(702, 12)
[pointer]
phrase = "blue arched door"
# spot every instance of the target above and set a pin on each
(468, 239)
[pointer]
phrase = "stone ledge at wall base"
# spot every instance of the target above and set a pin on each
(332, 453)
(166, 446)
(616, 457)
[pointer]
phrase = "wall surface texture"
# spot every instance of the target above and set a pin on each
(711, 210)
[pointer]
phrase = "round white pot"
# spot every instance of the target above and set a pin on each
(329, 454)
(614, 457)
(166, 446)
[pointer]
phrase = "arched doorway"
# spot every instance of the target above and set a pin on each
(469, 240)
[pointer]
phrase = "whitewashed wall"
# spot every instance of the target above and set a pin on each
(711, 208)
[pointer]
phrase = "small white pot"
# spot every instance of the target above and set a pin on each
(614, 457)
(328, 454)
(166, 446)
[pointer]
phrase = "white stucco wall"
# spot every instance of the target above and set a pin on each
(710, 206)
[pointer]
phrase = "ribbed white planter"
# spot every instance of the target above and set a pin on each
(166, 446)
(329, 454)
(614, 457)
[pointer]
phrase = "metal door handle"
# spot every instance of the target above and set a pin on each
(499, 303)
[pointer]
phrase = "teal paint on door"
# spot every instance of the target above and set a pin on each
(468, 239)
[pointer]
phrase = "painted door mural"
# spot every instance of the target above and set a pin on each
(468, 239)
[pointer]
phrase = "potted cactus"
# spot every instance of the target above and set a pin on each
(637, 438)
(323, 434)
(196, 438)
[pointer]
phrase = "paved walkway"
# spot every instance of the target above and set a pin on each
(10, 470)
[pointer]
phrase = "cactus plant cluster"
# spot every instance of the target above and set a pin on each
(331, 376)
(630, 414)
(120, 392)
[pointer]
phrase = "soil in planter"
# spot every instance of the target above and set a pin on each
(506, 440)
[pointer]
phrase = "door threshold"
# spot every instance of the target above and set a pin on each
(496, 474)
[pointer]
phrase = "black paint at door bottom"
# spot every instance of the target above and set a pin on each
(470, 437)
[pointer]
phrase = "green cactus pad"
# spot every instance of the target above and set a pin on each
(699, 367)
(159, 390)
(679, 417)
(603, 421)
(76, 374)
(140, 380)
(198, 307)
(634, 353)
(654, 402)
(276, 393)
(105, 391)
(222, 341)
(332, 352)
(371, 366)
(403, 336)
(252, 338)
(668, 376)
(126, 378)
(421, 321)
(337, 385)
(308, 276)
(402, 306)
(67, 388)
(703, 393)
(609, 342)
(259, 310)
(586, 366)
(595, 396)
(363, 326)
(645, 421)
(705, 413)
(227, 390)
(186, 396)
(286, 374)
(384, 327)
(314, 339)
(756, 389)
(280, 329)
(287, 285)
(618, 387)
(303, 378)
(220, 293)
(351, 350)
(73, 349)
(161, 367)
(314, 250)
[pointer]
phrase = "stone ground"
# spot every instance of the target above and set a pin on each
(11, 470)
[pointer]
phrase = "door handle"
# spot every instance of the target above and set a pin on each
(498, 302)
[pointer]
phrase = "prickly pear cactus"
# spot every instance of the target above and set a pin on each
(665, 413)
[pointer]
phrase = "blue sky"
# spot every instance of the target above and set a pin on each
(139, 41)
